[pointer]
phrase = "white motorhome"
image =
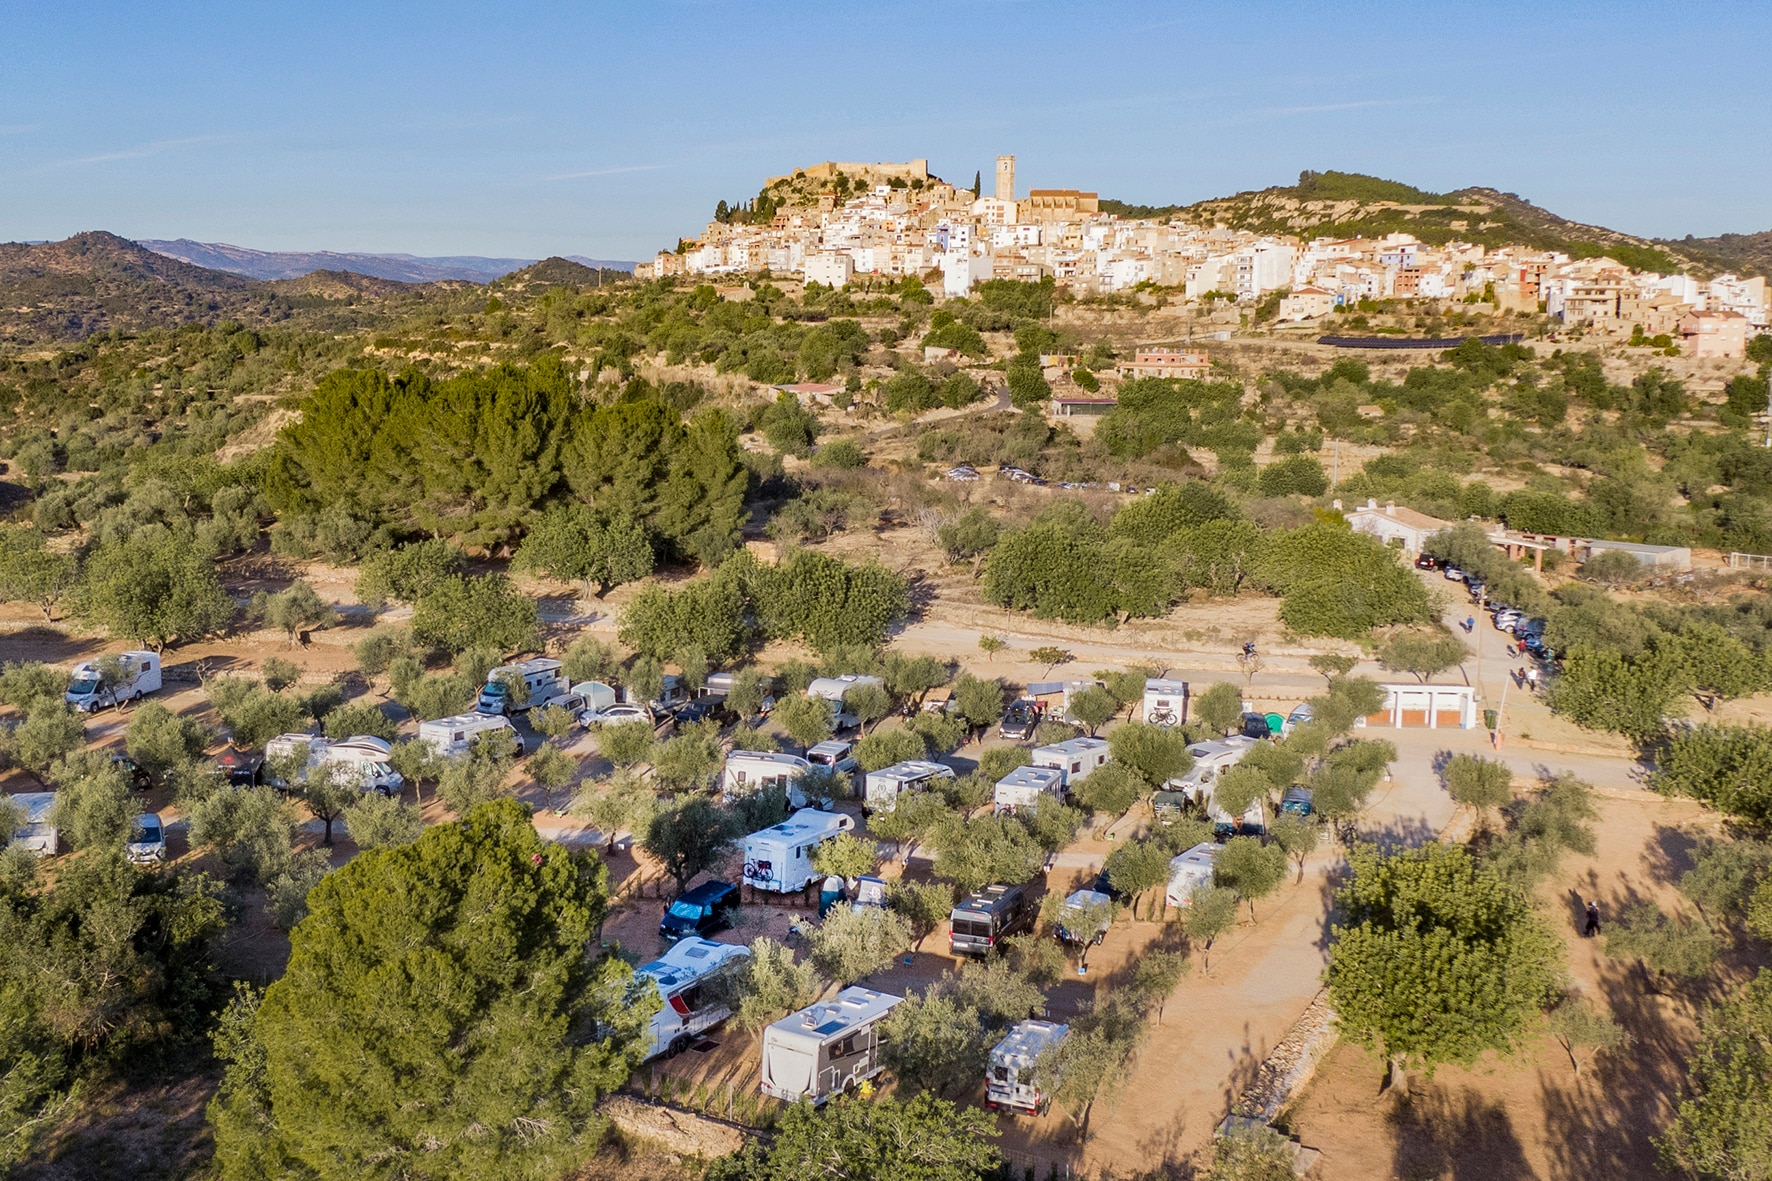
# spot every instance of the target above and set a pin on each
(1165, 702)
(1009, 1080)
(39, 833)
(453, 737)
(285, 748)
(1075, 757)
(888, 783)
(363, 758)
(825, 1048)
(87, 693)
(1211, 759)
(779, 858)
(835, 690)
(1189, 871)
(752, 770)
(543, 680)
(681, 977)
(669, 697)
(1023, 787)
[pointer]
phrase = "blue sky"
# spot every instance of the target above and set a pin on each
(534, 128)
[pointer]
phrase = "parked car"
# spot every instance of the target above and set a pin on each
(133, 771)
(1255, 725)
(1477, 590)
(1020, 721)
(1101, 885)
(1427, 562)
(1297, 800)
(702, 911)
(1453, 574)
(691, 712)
(147, 840)
(624, 711)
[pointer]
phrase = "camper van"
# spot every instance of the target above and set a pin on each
(826, 1048)
(1189, 871)
(779, 858)
(141, 675)
(1165, 702)
(285, 748)
(1023, 787)
(681, 976)
(835, 690)
(1009, 1080)
(39, 833)
(752, 770)
(888, 783)
(451, 738)
(1211, 759)
(1076, 758)
(363, 758)
(990, 914)
(542, 680)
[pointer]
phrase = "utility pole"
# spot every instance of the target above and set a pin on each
(1769, 409)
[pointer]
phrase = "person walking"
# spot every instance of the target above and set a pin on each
(1592, 927)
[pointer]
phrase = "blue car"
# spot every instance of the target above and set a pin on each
(702, 911)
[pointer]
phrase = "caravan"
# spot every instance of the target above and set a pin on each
(1252, 823)
(542, 680)
(749, 771)
(682, 977)
(1009, 1080)
(1165, 702)
(39, 833)
(826, 1048)
(87, 693)
(888, 783)
(1076, 758)
(1189, 871)
(779, 858)
(835, 690)
(451, 738)
(1022, 788)
(286, 749)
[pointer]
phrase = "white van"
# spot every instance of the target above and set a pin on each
(1009, 1080)
(1023, 787)
(542, 679)
(835, 690)
(39, 833)
(681, 976)
(141, 675)
(1165, 702)
(451, 738)
(825, 1048)
(1210, 760)
(1189, 871)
(779, 858)
(888, 783)
(147, 839)
(748, 771)
(1075, 757)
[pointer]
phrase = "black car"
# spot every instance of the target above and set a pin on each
(1255, 725)
(1102, 885)
(133, 771)
(702, 911)
(1427, 562)
(691, 712)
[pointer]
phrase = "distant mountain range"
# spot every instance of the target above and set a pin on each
(404, 268)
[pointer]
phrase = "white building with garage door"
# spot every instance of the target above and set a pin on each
(1437, 707)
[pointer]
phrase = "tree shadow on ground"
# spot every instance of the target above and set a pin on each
(1461, 1135)
(1669, 853)
(1602, 1126)
(1404, 832)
